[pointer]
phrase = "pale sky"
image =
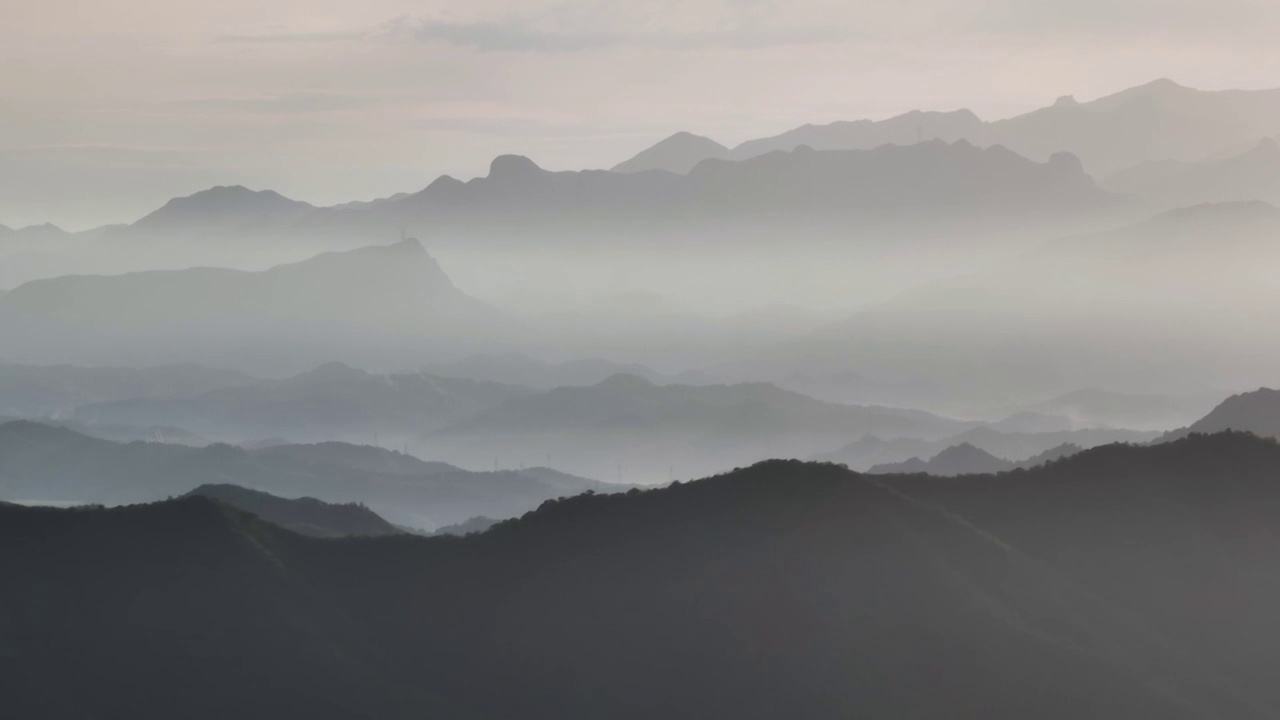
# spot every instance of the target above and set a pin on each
(110, 107)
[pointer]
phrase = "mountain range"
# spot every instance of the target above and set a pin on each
(802, 186)
(55, 391)
(364, 304)
(332, 402)
(517, 199)
(1160, 120)
(966, 459)
(783, 589)
(1102, 310)
(651, 433)
(1020, 448)
(1251, 175)
(44, 464)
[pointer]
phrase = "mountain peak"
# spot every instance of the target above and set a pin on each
(1067, 161)
(1161, 84)
(1257, 412)
(964, 450)
(226, 203)
(506, 166)
(678, 153)
(625, 382)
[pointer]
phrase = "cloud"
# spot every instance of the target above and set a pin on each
(522, 34)
(519, 35)
(1182, 18)
(291, 103)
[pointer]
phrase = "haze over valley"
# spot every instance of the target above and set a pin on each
(570, 359)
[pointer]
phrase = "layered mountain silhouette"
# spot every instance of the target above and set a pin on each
(55, 391)
(332, 402)
(305, 516)
(1121, 582)
(1256, 412)
(476, 524)
(646, 432)
(366, 302)
(1161, 120)
(962, 459)
(521, 369)
(1108, 309)
(1096, 406)
(1025, 449)
(802, 186)
(1252, 175)
(967, 459)
(45, 463)
(905, 129)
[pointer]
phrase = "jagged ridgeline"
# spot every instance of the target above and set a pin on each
(1122, 582)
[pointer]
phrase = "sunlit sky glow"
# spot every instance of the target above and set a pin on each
(109, 107)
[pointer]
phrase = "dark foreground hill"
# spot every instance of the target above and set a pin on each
(1124, 582)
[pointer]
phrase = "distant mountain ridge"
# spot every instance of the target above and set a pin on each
(1251, 175)
(803, 184)
(800, 184)
(1023, 448)
(1160, 120)
(286, 315)
(331, 402)
(46, 463)
(34, 391)
(1139, 277)
(966, 459)
(644, 432)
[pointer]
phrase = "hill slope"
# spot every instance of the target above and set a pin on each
(305, 516)
(1256, 412)
(678, 154)
(1122, 583)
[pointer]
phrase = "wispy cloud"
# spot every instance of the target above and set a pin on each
(294, 103)
(516, 34)
(1109, 18)
(520, 35)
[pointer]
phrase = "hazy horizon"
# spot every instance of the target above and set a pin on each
(140, 101)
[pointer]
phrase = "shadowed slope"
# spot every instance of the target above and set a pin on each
(1123, 582)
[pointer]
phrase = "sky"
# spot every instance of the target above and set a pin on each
(110, 107)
